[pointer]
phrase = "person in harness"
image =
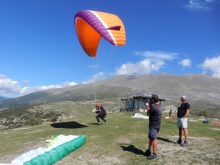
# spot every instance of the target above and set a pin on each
(100, 113)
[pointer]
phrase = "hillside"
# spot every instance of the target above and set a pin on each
(118, 140)
(122, 141)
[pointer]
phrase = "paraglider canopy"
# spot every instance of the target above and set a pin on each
(92, 25)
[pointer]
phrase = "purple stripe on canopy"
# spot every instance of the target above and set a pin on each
(94, 22)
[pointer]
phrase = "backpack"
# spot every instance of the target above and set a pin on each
(103, 111)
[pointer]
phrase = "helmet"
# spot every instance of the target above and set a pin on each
(96, 105)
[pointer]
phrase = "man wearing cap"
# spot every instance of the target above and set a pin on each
(182, 113)
(154, 111)
(100, 113)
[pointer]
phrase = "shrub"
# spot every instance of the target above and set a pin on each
(54, 118)
(204, 113)
(34, 121)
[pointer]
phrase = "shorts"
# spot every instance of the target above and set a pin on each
(182, 122)
(153, 131)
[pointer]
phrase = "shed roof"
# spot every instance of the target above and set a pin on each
(145, 97)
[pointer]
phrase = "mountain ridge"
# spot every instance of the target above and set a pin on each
(170, 87)
(3, 98)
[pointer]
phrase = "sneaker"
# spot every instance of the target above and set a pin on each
(99, 123)
(179, 141)
(153, 156)
(185, 143)
(106, 122)
(147, 153)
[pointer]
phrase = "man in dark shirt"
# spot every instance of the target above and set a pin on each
(154, 112)
(182, 113)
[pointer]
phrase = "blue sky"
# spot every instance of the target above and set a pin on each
(39, 48)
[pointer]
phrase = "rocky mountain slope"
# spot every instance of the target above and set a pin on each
(200, 89)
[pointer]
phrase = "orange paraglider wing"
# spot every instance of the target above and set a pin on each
(92, 25)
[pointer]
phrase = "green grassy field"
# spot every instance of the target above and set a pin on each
(122, 141)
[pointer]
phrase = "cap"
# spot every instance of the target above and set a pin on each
(183, 97)
(96, 105)
(155, 97)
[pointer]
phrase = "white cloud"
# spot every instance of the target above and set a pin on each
(12, 88)
(158, 55)
(212, 64)
(8, 86)
(199, 4)
(30, 89)
(95, 77)
(142, 67)
(154, 60)
(26, 81)
(185, 62)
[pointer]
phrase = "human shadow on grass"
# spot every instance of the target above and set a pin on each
(71, 124)
(166, 140)
(132, 148)
(93, 123)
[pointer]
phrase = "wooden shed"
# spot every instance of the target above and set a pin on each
(136, 103)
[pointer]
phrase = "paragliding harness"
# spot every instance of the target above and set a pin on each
(103, 112)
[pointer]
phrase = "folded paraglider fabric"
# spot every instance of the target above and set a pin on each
(62, 146)
(138, 115)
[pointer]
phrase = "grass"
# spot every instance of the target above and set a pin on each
(122, 141)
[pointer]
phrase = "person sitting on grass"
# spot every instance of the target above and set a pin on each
(100, 113)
